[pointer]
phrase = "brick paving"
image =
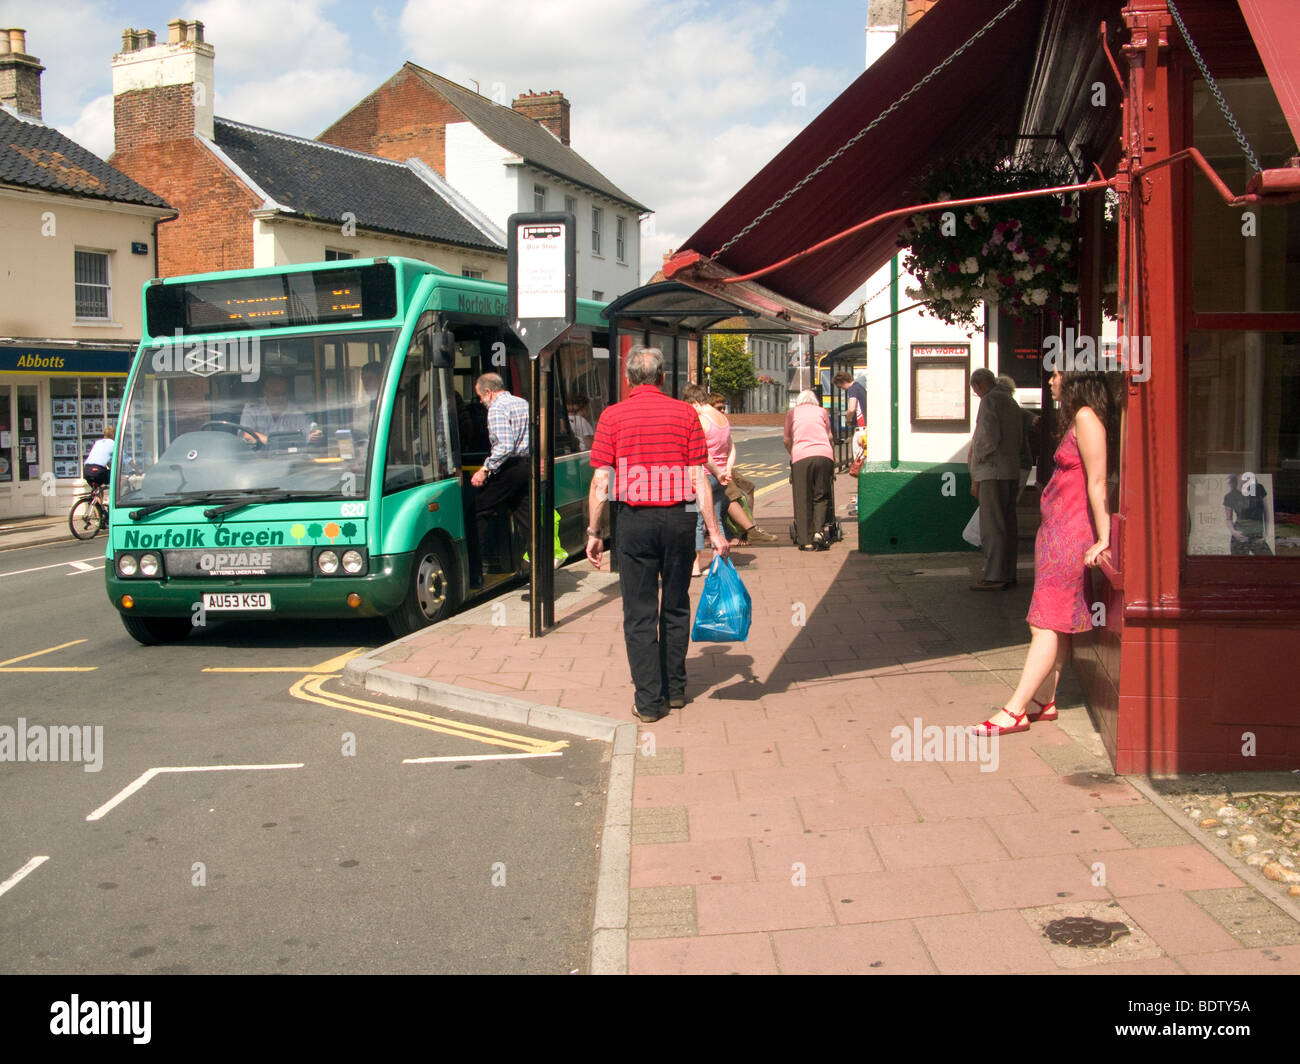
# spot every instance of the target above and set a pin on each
(775, 829)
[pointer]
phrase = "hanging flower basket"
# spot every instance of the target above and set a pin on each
(763, 378)
(1021, 255)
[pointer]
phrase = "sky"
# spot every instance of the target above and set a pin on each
(678, 102)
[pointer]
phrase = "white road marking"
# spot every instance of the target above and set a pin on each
(474, 757)
(82, 567)
(56, 565)
(22, 873)
(146, 776)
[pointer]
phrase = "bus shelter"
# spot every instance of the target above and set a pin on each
(675, 317)
(847, 358)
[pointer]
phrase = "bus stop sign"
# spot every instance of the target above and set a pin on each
(541, 265)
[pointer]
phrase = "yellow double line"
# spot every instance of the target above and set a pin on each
(311, 689)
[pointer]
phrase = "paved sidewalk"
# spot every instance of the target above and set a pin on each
(768, 827)
(33, 531)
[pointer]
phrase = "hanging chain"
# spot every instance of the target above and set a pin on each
(1214, 88)
(872, 125)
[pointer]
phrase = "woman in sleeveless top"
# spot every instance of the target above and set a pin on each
(1074, 533)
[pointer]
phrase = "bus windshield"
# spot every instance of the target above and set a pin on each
(275, 415)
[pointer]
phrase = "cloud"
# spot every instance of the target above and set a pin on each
(270, 37)
(301, 102)
(93, 128)
(71, 38)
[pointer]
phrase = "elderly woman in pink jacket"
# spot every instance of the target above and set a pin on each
(812, 470)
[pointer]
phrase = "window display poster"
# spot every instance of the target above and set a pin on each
(4, 439)
(1230, 513)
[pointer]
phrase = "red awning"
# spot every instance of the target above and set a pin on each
(1273, 25)
(977, 96)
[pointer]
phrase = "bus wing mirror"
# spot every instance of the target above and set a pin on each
(444, 350)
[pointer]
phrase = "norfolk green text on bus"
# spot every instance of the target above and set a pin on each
(297, 442)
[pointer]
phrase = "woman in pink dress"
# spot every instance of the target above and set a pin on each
(1074, 533)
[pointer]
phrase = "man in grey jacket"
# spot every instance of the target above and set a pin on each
(995, 478)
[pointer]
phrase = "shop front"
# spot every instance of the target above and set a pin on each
(56, 400)
(1187, 112)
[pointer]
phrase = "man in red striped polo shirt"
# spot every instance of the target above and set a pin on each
(652, 448)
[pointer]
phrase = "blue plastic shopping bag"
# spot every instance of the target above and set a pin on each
(724, 612)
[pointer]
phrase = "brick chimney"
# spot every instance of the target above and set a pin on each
(20, 74)
(916, 9)
(549, 109)
(162, 92)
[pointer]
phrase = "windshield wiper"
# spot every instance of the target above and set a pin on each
(179, 498)
(264, 495)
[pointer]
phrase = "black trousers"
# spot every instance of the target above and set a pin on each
(655, 546)
(508, 486)
(813, 480)
(999, 534)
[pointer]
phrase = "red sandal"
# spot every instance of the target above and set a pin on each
(1046, 710)
(987, 728)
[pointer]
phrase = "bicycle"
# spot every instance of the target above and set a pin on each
(89, 514)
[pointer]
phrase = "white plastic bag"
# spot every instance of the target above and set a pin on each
(971, 533)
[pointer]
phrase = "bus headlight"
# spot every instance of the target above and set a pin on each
(149, 565)
(328, 562)
(126, 565)
(353, 563)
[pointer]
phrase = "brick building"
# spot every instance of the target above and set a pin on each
(251, 197)
(504, 160)
(76, 247)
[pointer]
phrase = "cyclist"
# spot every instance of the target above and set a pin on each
(100, 460)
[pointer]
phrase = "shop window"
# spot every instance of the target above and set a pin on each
(1243, 462)
(91, 286)
(1243, 347)
(1246, 258)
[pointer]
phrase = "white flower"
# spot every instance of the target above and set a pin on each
(1067, 287)
(970, 266)
(982, 212)
(1039, 296)
(1051, 243)
(1020, 256)
(1027, 274)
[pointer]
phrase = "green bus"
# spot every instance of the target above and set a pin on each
(297, 442)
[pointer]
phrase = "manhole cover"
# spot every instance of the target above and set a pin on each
(1084, 931)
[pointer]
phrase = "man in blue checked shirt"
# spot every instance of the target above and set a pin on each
(503, 478)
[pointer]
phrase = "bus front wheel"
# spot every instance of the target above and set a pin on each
(151, 631)
(431, 595)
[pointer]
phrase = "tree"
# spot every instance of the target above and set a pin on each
(733, 367)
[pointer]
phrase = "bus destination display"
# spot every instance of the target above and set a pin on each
(275, 301)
